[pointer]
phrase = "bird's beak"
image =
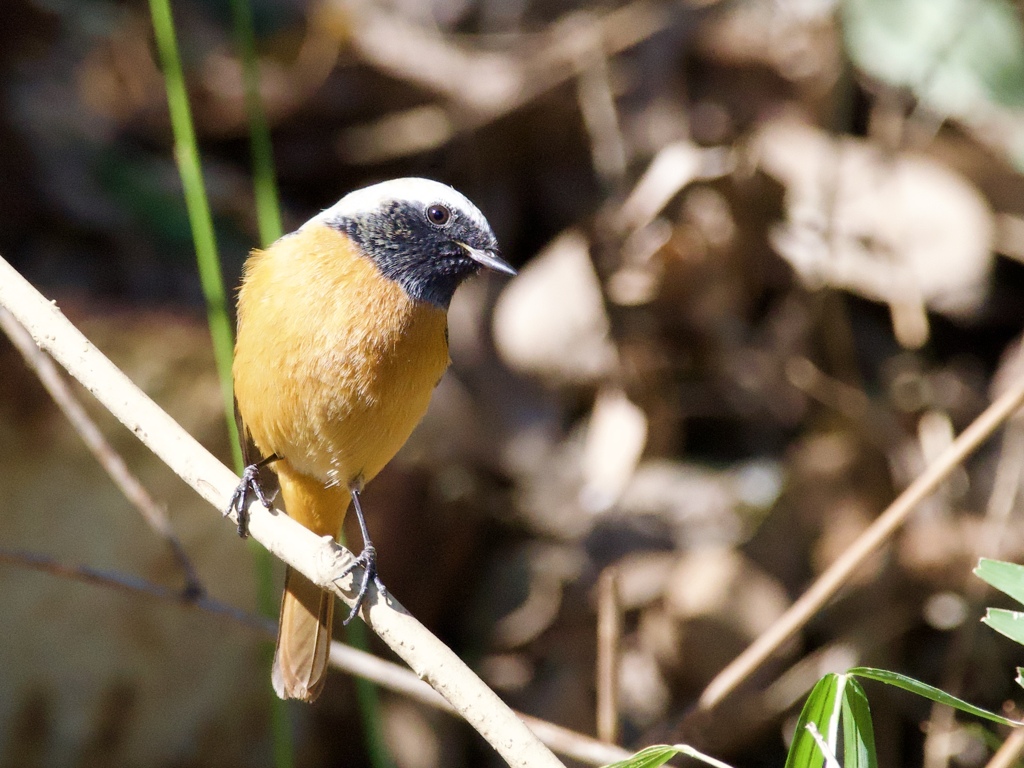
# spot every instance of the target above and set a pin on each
(488, 259)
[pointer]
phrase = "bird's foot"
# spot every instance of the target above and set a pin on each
(367, 559)
(239, 504)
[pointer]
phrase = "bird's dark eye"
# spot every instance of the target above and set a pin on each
(438, 215)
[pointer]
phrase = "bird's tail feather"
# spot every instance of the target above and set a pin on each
(304, 634)
(303, 639)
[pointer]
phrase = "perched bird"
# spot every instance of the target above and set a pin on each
(342, 337)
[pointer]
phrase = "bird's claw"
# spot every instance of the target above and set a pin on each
(368, 560)
(239, 503)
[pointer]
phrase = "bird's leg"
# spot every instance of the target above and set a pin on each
(367, 559)
(250, 484)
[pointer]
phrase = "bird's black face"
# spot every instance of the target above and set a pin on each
(427, 248)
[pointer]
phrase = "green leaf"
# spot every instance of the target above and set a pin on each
(960, 58)
(652, 757)
(1008, 578)
(929, 692)
(1009, 623)
(953, 54)
(819, 710)
(858, 732)
(836, 700)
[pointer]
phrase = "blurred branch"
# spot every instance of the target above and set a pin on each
(596, 98)
(873, 423)
(674, 167)
(609, 639)
(1006, 487)
(990, 541)
(109, 459)
(124, 583)
(343, 657)
(320, 560)
(478, 85)
(863, 547)
(1006, 756)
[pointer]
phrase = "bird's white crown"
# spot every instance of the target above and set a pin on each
(416, 191)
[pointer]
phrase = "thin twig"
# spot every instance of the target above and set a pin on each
(109, 459)
(1001, 501)
(126, 583)
(609, 637)
(608, 151)
(319, 560)
(1006, 756)
(674, 167)
(866, 545)
(343, 657)
(1006, 487)
(873, 423)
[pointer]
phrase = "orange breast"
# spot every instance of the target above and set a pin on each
(334, 364)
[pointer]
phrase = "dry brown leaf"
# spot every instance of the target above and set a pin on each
(901, 229)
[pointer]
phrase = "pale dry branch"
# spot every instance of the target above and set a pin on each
(826, 586)
(343, 657)
(320, 560)
(562, 740)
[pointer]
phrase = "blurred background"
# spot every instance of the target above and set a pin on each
(771, 262)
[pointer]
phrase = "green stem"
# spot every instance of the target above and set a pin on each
(268, 209)
(186, 154)
(268, 217)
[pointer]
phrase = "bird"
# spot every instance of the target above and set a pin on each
(342, 336)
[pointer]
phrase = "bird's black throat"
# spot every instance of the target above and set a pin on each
(425, 259)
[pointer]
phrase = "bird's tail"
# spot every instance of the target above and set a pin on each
(303, 639)
(304, 629)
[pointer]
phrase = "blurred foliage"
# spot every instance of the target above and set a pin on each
(951, 53)
(771, 261)
(958, 57)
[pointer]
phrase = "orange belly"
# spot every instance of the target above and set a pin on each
(334, 364)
